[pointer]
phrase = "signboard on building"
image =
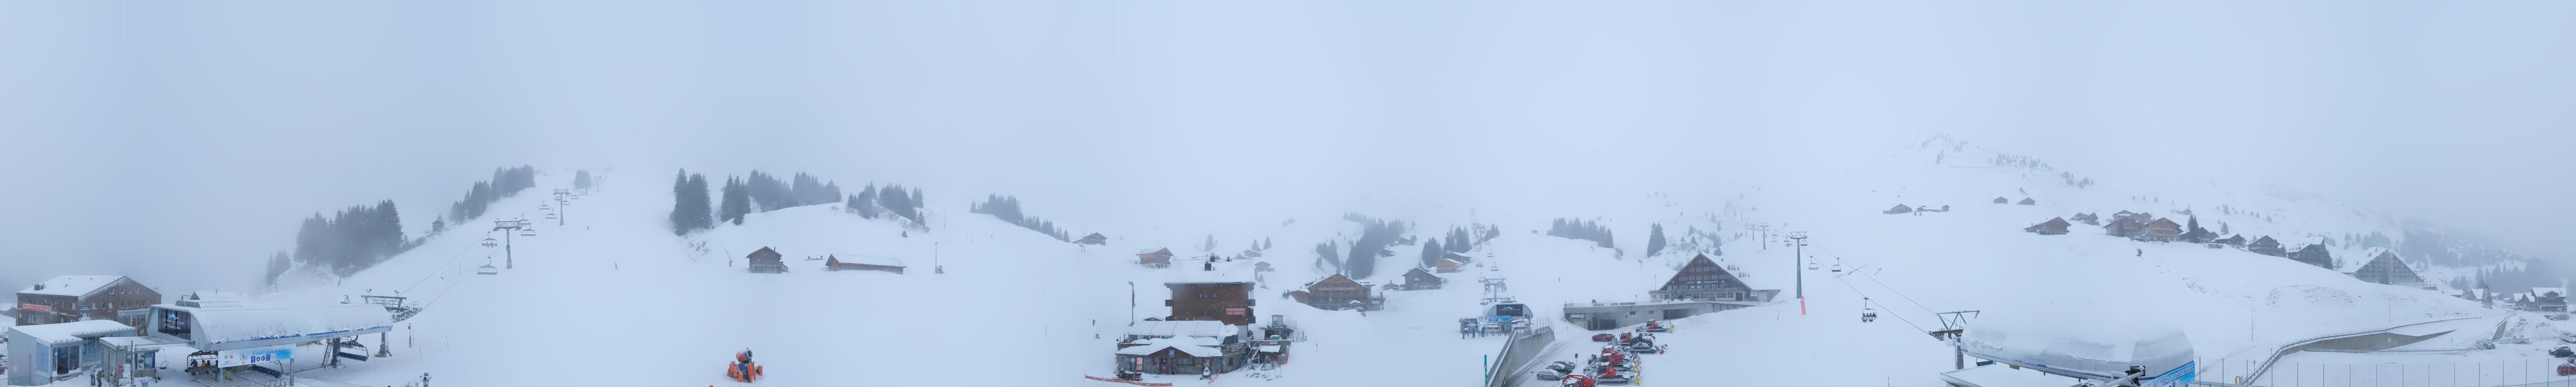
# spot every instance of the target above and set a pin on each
(35, 308)
(248, 356)
(131, 313)
(1236, 311)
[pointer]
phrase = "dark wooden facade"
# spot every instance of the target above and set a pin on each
(2314, 254)
(75, 298)
(1703, 280)
(1337, 292)
(1418, 279)
(1228, 302)
(1156, 258)
(766, 260)
(2161, 230)
(834, 263)
(1093, 239)
(2054, 226)
(2265, 245)
(2387, 269)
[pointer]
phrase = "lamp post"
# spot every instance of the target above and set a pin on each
(935, 266)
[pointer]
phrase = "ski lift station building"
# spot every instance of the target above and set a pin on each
(242, 334)
(40, 352)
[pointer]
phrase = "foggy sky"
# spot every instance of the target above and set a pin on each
(190, 137)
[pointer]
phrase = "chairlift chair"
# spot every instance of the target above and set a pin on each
(487, 268)
(1812, 266)
(528, 232)
(1838, 267)
(1867, 314)
(489, 242)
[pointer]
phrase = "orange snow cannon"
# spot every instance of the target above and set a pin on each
(743, 370)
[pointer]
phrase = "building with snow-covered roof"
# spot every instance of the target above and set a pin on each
(39, 353)
(2385, 269)
(863, 262)
(766, 260)
(1446, 265)
(248, 326)
(1160, 257)
(1703, 280)
(2161, 230)
(1339, 292)
(1093, 239)
(1419, 279)
(2265, 245)
(2313, 254)
(1184, 347)
(2054, 226)
(85, 297)
(1898, 209)
(2549, 299)
(1211, 299)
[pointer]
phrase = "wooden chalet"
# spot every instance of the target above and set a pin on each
(2314, 254)
(1227, 302)
(2386, 269)
(2125, 228)
(1899, 209)
(2549, 299)
(1155, 258)
(2054, 226)
(2027, 202)
(2087, 218)
(1703, 280)
(766, 260)
(2001, 200)
(2265, 245)
(2229, 241)
(1418, 279)
(2161, 230)
(1093, 239)
(73, 298)
(1455, 256)
(889, 265)
(1339, 292)
(1445, 265)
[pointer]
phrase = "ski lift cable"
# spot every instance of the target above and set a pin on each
(1890, 289)
(451, 262)
(1899, 316)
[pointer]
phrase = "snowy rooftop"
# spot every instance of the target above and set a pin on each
(1181, 329)
(225, 325)
(1194, 346)
(70, 332)
(868, 260)
(73, 285)
(1240, 270)
(2064, 343)
(2540, 291)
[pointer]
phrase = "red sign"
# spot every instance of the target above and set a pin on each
(1235, 311)
(35, 308)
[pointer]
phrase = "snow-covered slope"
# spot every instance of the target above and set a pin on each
(612, 298)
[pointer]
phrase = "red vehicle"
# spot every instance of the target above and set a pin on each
(1603, 337)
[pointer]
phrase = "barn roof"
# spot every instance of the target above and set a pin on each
(870, 260)
(70, 332)
(1158, 250)
(2562, 292)
(73, 285)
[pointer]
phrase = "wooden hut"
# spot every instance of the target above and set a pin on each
(2027, 202)
(2388, 270)
(1155, 258)
(766, 260)
(1446, 265)
(2001, 200)
(1093, 239)
(1899, 209)
(1418, 279)
(889, 265)
(2054, 226)
(1338, 292)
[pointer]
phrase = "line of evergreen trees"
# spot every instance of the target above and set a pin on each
(1375, 236)
(505, 182)
(1457, 240)
(351, 239)
(1328, 254)
(890, 200)
(581, 179)
(689, 204)
(1008, 209)
(1580, 229)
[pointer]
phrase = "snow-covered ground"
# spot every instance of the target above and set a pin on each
(611, 297)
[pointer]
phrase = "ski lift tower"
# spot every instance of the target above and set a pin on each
(1952, 325)
(1495, 291)
(562, 206)
(507, 228)
(1801, 260)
